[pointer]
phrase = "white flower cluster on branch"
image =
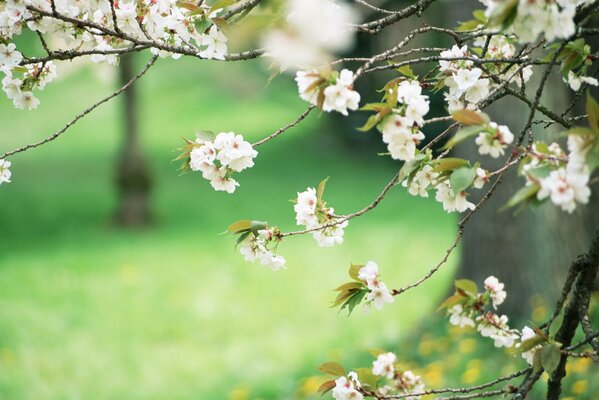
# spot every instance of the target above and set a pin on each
(218, 157)
(311, 211)
(329, 90)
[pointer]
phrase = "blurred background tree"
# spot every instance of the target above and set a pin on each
(133, 177)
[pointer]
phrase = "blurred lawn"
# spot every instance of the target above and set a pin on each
(92, 312)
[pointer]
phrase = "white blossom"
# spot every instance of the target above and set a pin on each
(379, 295)
(496, 291)
(384, 365)
(341, 97)
(345, 389)
(528, 334)
(9, 56)
(495, 327)
(307, 85)
(450, 201)
(422, 181)
(566, 187)
(576, 82)
(466, 78)
(222, 182)
(494, 143)
(323, 22)
(26, 100)
(482, 177)
(215, 44)
(369, 273)
(459, 318)
(256, 248)
(5, 173)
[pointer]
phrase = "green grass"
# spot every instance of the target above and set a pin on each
(91, 311)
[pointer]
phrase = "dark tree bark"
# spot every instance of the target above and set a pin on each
(133, 177)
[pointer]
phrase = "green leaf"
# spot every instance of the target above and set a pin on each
(188, 6)
(448, 164)
(350, 286)
(202, 24)
(468, 25)
(452, 301)
(550, 357)
(468, 117)
(354, 300)
(461, 179)
(326, 386)
(256, 226)
(479, 15)
(593, 112)
(524, 195)
(540, 172)
(207, 136)
(406, 70)
(467, 286)
(593, 157)
(374, 107)
(240, 226)
(407, 169)
(221, 4)
(463, 134)
(371, 122)
(332, 368)
(342, 297)
(366, 377)
(354, 271)
(530, 344)
(242, 237)
(320, 191)
(536, 361)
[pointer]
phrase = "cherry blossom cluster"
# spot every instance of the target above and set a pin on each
(468, 84)
(451, 200)
(218, 157)
(312, 212)
(5, 173)
(105, 30)
(401, 128)
(347, 387)
(328, 90)
(564, 179)
(494, 139)
(257, 248)
(554, 19)
(314, 30)
(528, 336)
(450, 178)
(19, 83)
(378, 294)
(467, 308)
(400, 382)
(465, 82)
(503, 47)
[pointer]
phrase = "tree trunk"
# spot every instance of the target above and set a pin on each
(133, 178)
